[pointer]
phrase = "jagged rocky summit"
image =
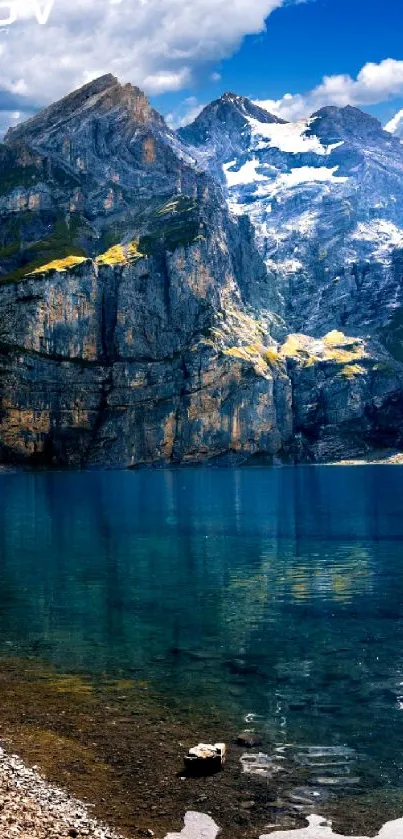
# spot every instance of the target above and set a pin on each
(228, 293)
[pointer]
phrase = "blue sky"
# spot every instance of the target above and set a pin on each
(302, 43)
(184, 54)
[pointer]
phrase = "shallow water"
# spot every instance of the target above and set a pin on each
(273, 595)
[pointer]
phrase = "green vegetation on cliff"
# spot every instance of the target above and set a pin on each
(60, 244)
(174, 225)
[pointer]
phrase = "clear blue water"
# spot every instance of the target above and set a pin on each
(275, 593)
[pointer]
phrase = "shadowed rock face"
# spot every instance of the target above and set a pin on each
(142, 323)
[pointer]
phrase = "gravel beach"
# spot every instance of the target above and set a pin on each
(30, 808)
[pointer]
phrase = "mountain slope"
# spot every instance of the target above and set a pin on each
(154, 288)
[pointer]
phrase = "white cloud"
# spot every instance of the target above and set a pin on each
(375, 83)
(156, 44)
(185, 113)
(395, 126)
(11, 118)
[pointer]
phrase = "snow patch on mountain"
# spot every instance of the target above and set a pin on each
(296, 177)
(245, 175)
(271, 182)
(290, 137)
(382, 237)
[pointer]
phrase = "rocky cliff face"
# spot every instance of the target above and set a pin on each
(142, 321)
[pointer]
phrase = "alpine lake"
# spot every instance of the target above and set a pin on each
(144, 612)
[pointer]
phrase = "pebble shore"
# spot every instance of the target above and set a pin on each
(30, 808)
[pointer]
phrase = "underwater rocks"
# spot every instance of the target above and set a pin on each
(260, 765)
(33, 809)
(248, 740)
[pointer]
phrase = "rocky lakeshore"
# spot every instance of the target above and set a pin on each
(118, 751)
(31, 808)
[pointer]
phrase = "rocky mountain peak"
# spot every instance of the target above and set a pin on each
(230, 114)
(98, 98)
(245, 106)
(333, 124)
(107, 131)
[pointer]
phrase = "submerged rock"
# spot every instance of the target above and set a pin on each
(260, 764)
(249, 740)
(319, 828)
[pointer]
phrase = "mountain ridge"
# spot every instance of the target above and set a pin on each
(227, 293)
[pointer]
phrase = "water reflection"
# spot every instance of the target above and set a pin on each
(272, 592)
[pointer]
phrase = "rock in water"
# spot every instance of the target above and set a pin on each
(260, 764)
(205, 758)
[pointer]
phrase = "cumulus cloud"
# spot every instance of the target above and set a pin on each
(184, 113)
(395, 126)
(8, 118)
(156, 44)
(375, 83)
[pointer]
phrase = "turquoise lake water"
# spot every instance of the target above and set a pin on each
(273, 594)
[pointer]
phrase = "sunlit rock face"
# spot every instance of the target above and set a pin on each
(231, 294)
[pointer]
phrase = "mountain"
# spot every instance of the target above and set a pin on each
(231, 292)
(223, 130)
(101, 156)
(325, 197)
